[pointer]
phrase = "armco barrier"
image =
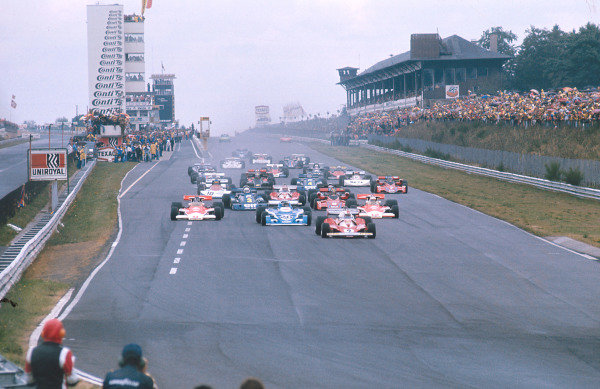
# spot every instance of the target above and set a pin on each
(584, 192)
(12, 274)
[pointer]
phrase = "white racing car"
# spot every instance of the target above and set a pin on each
(233, 163)
(261, 158)
(216, 189)
(355, 178)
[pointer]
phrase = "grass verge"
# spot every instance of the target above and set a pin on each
(16, 142)
(540, 212)
(68, 257)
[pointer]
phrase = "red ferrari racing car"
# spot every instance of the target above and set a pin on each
(389, 184)
(287, 193)
(373, 207)
(345, 224)
(332, 197)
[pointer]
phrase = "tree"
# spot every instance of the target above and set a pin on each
(506, 46)
(582, 62)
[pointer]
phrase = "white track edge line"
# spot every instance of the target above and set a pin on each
(35, 335)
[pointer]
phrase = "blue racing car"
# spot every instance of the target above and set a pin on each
(309, 183)
(283, 214)
(244, 199)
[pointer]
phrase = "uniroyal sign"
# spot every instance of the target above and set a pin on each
(47, 164)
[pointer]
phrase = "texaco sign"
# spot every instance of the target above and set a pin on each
(47, 164)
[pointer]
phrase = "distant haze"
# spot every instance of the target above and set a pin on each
(229, 56)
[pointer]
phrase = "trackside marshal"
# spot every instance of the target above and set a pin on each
(47, 164)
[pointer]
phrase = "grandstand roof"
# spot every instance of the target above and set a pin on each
(453, 48)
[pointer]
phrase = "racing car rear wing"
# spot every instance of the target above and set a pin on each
(337, 211)
(192, 197)
(275, 165)
(363, 196)
(326, 189)
(290, 187)
(386, 177)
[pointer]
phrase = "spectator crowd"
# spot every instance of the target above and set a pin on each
(566, 106)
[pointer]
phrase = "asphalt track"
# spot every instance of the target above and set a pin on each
(13, 161)
(444, 297)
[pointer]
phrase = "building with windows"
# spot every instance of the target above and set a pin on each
(434, 69)
(164, 97)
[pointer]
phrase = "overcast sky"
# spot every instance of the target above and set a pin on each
(229, 56)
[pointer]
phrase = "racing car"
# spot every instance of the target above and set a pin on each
(285, 139)
(295, 161)
(315, 168)
(389, 184)
(355, 178)
(373, 207)
(345, 224)
(244, 199)
(261, 158)
(257, 179)
(225, 138)
(199, 168)
(332, 198)
(308, 182)
(242, 153)
(233, 163)
(277, 170)
(196, 209)
(283, 214)
(216, 189)
(208, 177)
(286, 193)
(335, 172)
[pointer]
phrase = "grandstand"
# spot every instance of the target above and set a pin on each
(434, 69)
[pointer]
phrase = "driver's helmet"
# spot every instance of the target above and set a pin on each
(283, 204)
(216, 182)
(284, 189)
(390, 180)
(372, 200)
(246, 190)
(331, 188)
(198, 199)
(344, 215)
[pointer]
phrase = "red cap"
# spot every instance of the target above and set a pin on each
(53, 331)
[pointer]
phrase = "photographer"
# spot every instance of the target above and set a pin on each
(132, 371)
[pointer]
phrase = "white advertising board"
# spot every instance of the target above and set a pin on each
(47, 164)
(106, 130)
(106, 58)
(106, 154)
(452, 91)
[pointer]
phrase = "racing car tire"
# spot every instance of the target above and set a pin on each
(308, 219)
(193, 178)
(351, 196)
(319, 223)
(351, 203)
(174, 212)
(373, 187)
(243, 182)
(325, 229)
(243, 164)
(371, 228)
(259, 211)
(367, 219)
(177, 204)
(226, 200)
(341, 181)
(391, 203)
(218, 204)
(218, 213)
(313, 203)
(307, 210)
(294, 181)
(190, 170)
(200, 187)
(263, 218)
(395, 211)
(302, 199)
(286, 172)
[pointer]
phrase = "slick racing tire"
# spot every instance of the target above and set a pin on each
(263, 218)
(227, 201)
(371, 228)
(341, 181)
(219, 205)
(259, 211)
(200, 187)
(395, 211)
(294, 181)
(174, 212)
(373, 187)
(308, 219)
(319, 223)
(391, 203)
(351, 203)
(302, 199)
(307, 210)
(367, 219)
(325, 229)
(218, 213)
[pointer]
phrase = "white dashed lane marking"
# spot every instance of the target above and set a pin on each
(176, 260)
(189, 223)
(182, 243)
(185, 236)
(173, 270)
(180, 251)
(187, 229)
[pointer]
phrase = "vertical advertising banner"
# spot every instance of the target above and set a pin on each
(106, 58)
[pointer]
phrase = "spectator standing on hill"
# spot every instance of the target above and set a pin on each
(153, 150)
(50, 365)
(132, 372)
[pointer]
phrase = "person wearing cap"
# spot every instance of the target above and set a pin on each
(131, 373)
(51, 365)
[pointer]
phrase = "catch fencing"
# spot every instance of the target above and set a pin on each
(527, 164)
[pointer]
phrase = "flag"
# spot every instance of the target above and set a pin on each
(143, 6)
(22, 201)
(14, 97)
(13, 104)
(162, 66)
(149, 4)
